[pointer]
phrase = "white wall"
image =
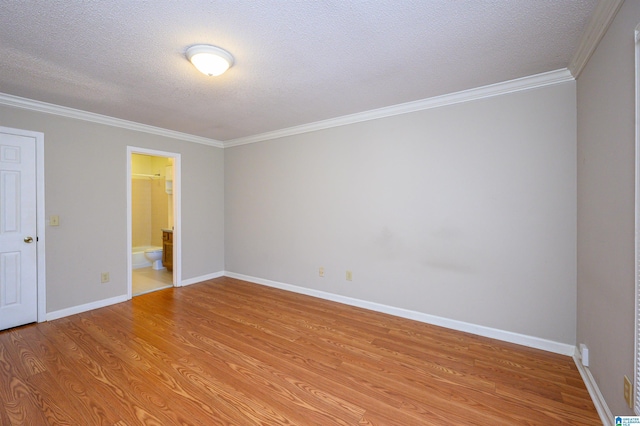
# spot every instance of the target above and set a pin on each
(606, 173)
(467, 212)
(86, 184)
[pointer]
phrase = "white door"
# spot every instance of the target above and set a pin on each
(18, 239)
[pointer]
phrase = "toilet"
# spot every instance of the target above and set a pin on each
(154, 255)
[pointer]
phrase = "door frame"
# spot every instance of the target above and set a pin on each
(40, 219)
(177, 215)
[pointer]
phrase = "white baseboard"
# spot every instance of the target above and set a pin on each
(201, 278)
(506, 336)
(86, 307)
(118, 299)
(592, 387)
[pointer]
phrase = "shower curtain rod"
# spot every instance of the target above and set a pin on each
(157, 175)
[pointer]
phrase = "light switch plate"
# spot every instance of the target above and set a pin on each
(54, 220)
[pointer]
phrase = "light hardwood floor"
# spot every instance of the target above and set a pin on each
(227, 352)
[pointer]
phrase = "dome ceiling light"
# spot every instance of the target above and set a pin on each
(209, 60)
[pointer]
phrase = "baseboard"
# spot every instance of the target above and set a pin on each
(86, 307)
(506, 336)
(118, 299)
(592, 387)
(201, 278)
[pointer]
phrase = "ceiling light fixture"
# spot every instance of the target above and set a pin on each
(209, 60)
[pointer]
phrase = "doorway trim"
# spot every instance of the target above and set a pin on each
(177, 215)
(40, 219)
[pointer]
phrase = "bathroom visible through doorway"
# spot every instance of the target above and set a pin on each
(152, 211)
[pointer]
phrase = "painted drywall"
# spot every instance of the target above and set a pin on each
(86, 185)
(467, 212)
(606, 174)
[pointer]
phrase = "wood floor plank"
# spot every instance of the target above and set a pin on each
(113, 384)
(265, 369)
(212, 361)
(59, 372)
(170, 385)
(229, 352)
(173, 387)
(229, 369)
(20, 411)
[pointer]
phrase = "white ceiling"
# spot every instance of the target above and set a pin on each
(296, 62)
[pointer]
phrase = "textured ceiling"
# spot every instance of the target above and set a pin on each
(296, 62)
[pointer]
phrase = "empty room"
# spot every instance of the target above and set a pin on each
(319, 212)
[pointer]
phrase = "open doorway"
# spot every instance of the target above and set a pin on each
(153, 219)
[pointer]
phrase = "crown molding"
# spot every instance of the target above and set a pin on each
(47, 108)
(602, 17)
(525, 83)
(511, 86)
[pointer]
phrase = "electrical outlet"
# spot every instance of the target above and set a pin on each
(321, 271)
(628, 392)
(349, 276)
(104, 277)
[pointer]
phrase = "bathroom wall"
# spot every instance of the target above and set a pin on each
(140, 201)
(140, 212)
(159, 200)
(150, 203)
(169, 176)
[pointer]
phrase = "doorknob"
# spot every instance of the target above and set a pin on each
(28, 240)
